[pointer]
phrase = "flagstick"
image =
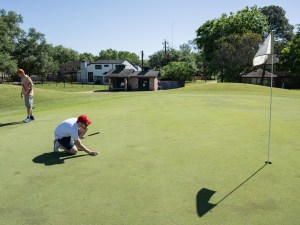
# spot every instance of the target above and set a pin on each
(270, 117)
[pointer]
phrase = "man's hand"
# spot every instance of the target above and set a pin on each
(93, 153)
(21, 95)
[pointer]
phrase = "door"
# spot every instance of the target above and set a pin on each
(144, 84)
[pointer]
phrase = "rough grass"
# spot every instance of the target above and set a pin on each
(157, 151)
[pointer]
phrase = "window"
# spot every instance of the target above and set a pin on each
(90, 77)
(120, 67)
(106, 65)
(98, 67)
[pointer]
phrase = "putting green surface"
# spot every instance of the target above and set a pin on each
(188, 156)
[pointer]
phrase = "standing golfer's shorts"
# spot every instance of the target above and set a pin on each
(28, 101)
(66, 142)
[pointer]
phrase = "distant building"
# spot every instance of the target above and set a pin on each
(130, 80)
(69, 68)
(95, 72)
(255, 77)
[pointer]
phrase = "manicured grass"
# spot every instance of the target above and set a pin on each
(157, 151)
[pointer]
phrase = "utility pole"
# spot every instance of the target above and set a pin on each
(165, 46)
(142, 60)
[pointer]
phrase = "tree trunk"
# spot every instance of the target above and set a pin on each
(222, 75)
(263, 75)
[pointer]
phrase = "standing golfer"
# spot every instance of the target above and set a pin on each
(68, 135)
(27, 92)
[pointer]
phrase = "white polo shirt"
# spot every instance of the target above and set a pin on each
(67, 128)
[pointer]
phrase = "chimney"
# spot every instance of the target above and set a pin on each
(83, 70)
(146, 68)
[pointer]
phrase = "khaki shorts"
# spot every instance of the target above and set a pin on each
(28, 101)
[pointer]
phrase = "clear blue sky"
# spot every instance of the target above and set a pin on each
(128, 25)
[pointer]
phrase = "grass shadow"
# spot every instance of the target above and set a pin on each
(102, 91)
(204, 195)
(11, 123)
(54, 158)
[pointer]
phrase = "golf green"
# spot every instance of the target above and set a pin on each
(193, 155)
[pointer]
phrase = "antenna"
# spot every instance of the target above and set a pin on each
(172, 34)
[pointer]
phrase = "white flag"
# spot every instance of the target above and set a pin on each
(265, 52)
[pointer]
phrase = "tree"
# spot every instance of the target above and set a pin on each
(9, 32)
(161, 58)
(34, 54)
(129, 56)
(234, 54)
(178, 71)
(62, 54)
(279, 24)
(87, 57)
(290, 59)
(156, 60)
(245, 20)
(111, 54)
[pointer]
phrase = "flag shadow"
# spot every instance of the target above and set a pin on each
(53, 158)
(204, 195)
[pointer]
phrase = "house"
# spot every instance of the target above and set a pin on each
(69, 68)
(255, 77)
(130, 80)
(95, 72)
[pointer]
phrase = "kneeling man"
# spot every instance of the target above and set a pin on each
(68, 135)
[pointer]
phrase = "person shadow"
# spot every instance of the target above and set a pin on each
(11, 123)
(54, 158)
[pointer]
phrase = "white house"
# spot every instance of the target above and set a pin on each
(95, 71)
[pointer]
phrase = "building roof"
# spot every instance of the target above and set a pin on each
(131, 73)
(119, 73)
(110, 61)
(73, 63)
(258, 74)
(149, 73)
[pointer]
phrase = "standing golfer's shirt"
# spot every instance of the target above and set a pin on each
(27, 85)
(67, 128)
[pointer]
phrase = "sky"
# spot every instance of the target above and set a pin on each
(128, 25)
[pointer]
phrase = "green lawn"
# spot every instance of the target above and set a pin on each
(159, 152)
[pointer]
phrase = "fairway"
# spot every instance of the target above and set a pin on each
(188, 156)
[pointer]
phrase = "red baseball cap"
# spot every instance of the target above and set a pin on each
(83, 119)
(20, 71)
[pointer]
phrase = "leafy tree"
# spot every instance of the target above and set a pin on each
(159, 59)
(278, 23)
(87, 57)
(178, 71)
(245, 20)
(186, 54)
(34, 54)
(290, 59)
(119, 55)
(9, 32)
(234, 54)
(108, 54)
(131, 57)
(62, 54)
(156, 60)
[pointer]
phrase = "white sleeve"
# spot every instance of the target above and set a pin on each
(74, 134)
